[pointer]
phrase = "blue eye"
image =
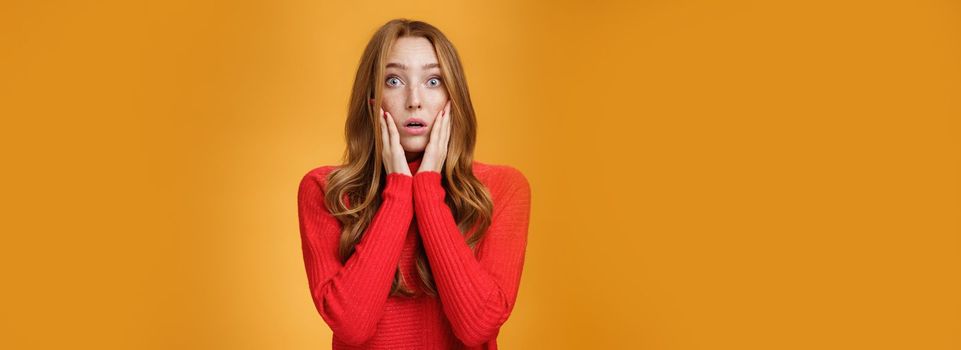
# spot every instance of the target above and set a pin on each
(433, 79)
(392, 78)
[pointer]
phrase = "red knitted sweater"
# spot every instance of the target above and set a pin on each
(475, 293)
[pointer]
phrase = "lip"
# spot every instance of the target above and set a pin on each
(415, 130)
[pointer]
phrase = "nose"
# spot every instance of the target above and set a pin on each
(413, 99)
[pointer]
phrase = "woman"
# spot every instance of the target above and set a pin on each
(411, 243)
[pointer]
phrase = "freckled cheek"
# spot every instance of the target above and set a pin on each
(436, 103)
(393, 104)
(432, 101)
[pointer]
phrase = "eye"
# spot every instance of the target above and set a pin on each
(391, 79)
(433, 79)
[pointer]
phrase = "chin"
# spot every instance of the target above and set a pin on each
(414, 146)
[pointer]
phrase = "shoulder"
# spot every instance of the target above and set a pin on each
(501, 178)
(316, 178)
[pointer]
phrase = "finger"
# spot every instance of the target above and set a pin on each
(383, 128)
(434, 130)
(394, 134)
(385, 153)
(447, 128)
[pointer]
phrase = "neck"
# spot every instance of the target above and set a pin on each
(412, 156)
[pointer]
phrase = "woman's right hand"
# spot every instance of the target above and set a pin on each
(393, 153)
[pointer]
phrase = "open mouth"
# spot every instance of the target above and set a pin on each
(415, 123)
(415, 126)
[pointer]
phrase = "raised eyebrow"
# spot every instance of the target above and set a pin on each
(404, 67)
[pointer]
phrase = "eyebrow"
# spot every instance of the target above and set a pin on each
(401, 66)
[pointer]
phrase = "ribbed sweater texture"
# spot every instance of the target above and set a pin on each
(476, 293)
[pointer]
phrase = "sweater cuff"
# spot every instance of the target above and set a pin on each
(398, 186)
(427, 185)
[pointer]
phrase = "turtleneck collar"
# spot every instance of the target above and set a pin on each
(415, 164)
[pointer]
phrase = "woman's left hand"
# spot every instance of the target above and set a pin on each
(436, 152)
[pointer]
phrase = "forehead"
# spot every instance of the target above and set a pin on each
(412, 52)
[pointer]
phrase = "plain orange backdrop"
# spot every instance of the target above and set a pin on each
(705, 174)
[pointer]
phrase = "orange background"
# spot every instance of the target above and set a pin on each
(705, 174)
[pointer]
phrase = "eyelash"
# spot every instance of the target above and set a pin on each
(439, 80)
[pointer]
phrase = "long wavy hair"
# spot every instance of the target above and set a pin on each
(354, 189)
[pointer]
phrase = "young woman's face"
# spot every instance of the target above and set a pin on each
(413, 88)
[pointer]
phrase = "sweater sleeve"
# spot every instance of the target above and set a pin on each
(477, 294)
(351, 297)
